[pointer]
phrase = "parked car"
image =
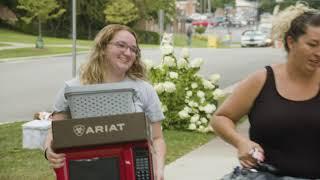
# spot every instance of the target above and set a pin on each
(254, 38)
(219, 20)
(204, 23)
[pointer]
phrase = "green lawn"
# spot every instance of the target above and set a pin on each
(19, 164)
(3, 44)
(13, 36)
(6, 35)
(25, 52)
(181, 40)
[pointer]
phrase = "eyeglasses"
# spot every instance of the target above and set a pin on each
(123, 46)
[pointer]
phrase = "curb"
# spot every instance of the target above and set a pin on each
(21, 59)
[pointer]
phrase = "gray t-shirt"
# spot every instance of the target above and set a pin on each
(147, 101)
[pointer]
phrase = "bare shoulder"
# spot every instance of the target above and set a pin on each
(254, 82)
(243, 96)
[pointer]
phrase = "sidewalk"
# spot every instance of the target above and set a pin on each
(209, 162)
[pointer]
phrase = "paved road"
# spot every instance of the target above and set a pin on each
(235, 32)
(30, 86)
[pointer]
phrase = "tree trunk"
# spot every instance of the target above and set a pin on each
(89, 30)
(40, 33)
(39, 42)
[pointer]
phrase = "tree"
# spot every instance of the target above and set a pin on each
(221, 3)
(91, 12)
(7, 15)
(42, 10)
(148, 9)
(121, 12)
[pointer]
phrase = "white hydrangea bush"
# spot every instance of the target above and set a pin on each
(188, 100)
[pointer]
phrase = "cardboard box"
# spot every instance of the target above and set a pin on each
(35, 133)
(100, 130)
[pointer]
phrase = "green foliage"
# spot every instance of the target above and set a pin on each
(186, 141)
(121, 12)
(188, 99)
(221, 3)
(266, 6)
(148, 9)
(90, 13)
(40, 9)
(200, 29)
(148, 37)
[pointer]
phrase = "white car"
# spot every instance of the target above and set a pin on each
(254, 38)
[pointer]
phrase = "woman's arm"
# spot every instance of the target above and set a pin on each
(230, 112)
(159, 146)
(56, 160)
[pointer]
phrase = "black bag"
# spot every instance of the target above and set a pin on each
(248, 174)
(251, 174)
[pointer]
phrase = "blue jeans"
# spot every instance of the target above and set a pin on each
(247, 174)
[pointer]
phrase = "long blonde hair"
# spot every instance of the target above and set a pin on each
(93, 72)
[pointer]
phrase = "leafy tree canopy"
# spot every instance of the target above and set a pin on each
(121, 12)
(221, 3)
(148, 9)
(40, 9)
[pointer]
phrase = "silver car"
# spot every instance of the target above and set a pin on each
(254, 38)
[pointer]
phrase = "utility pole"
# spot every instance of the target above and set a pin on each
(201, 6)
(161, 22)
(257, 16)
(74, 39)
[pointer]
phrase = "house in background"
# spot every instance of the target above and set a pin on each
(184, 9)
(7, 15)
(247, 10)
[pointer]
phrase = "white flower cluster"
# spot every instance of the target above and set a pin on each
(169, 61)
(168, 87)
(188, 99)
(148, 63)
(196, 63)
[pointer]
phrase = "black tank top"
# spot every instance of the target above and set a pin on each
(288, 131)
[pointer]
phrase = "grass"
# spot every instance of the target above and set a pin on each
(25, 52)
(182, 142)
(181, 40)
(13, 36)
(17, 163)
(3, 44)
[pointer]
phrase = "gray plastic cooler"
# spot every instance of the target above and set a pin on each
(100, 100)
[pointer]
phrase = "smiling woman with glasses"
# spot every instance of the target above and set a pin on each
(115, 57)
(124, 46)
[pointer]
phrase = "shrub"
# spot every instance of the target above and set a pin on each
(188, 99)
(148, 37)
(200, 37)
(200, 29)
